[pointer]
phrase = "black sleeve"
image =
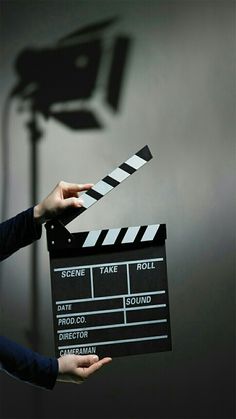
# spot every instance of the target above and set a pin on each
(18, 232)
(27, 365)
(16, 360)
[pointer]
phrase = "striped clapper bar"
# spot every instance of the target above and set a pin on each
(109, 290)
(108, 183)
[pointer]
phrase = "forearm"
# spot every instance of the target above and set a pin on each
(27, 365)
(18, 232)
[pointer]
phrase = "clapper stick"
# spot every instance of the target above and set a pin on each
(108, 183)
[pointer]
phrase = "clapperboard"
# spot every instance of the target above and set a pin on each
(109, 287)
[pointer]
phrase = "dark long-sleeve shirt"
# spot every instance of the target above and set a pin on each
(16, 360)
(18, 232)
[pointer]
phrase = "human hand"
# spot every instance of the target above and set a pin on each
(63, 196)
(76, 368)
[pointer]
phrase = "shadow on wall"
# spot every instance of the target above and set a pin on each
(65, 80)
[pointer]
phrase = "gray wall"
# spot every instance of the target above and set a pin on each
(179, 98)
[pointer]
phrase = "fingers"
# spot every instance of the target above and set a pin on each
(77, 368)
(74, 187)
(96, 366)
(85, 186)
(86, 360)
(72, 202)
(63, 196)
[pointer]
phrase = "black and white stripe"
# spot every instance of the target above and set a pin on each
(114, 236)
(109, 182)
(122, 236)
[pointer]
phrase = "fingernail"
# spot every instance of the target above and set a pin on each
(95, 358)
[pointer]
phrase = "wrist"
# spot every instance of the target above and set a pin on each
(38, 214)
(60, 366)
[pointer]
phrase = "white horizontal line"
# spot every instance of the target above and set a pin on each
(145, 307)
(129, 262)
(111, 326)
(112, 342)
(115, 310)
(90, 312)
(110, 297)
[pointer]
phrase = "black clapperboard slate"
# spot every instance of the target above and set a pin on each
(109, 287)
